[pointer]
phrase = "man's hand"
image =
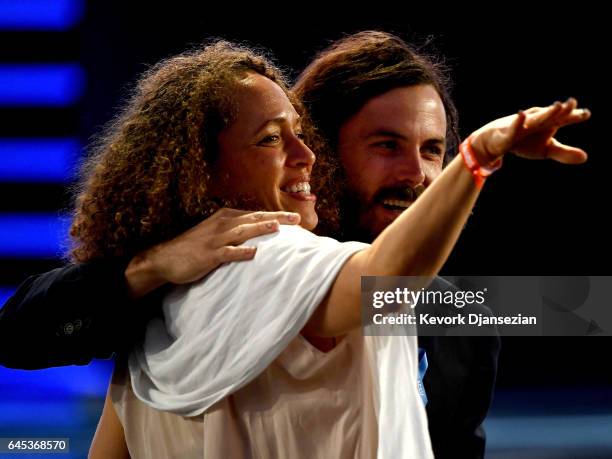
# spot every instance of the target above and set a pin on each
(200, 250)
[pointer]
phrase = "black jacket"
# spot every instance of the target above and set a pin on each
(459, 383)
(70, 316)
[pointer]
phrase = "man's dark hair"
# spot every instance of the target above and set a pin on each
(353, 70)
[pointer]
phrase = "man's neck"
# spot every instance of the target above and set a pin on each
(350, 231)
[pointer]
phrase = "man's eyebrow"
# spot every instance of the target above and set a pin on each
(436, 141)
(397, 135)
(386, 133)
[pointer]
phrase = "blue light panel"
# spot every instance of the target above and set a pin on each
(43, 15)
(38, 160)
(41, 85)
(5, 293)
(33, 235)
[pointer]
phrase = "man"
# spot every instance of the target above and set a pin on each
(383, 113)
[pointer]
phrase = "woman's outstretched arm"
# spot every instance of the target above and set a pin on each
(420, 240)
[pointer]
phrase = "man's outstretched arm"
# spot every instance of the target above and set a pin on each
(74, 314)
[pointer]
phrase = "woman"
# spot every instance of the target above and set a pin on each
(229, 367)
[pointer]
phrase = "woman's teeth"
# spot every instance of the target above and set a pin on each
(302, 187)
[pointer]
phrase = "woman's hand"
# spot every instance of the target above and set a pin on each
(200, 250)
(530, 134)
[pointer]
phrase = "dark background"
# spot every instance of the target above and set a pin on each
(534, 218)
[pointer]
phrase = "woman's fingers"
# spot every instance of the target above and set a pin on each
(556, 115)
(518, 125)
(568, 106)
(565, 154)
(577, 115)
(530, 134)
(531, 110)
(542, 119)
(501, 144)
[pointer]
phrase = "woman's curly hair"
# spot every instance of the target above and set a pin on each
(147, 178)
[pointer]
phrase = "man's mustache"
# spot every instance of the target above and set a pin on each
(400, 193)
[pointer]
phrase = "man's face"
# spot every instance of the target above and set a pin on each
(389, 149)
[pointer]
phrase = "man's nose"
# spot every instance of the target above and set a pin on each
(409, 166)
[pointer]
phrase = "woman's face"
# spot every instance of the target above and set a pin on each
(262, 156)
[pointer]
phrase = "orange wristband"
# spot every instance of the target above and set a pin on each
(479, 172)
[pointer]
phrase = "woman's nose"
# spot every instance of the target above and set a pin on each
(300, 155)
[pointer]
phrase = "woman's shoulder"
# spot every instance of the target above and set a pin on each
(291, 254)
(293, 236)
(285, 233)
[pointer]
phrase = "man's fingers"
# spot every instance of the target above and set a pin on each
(284, 218)
(228, 254)
(246, 231)
(228, 212)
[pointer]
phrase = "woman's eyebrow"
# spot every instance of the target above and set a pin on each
(283, 119)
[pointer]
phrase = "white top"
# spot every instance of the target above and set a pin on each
(221, 333)
(307, 404)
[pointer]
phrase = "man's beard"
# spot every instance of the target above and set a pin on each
(353, 207)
